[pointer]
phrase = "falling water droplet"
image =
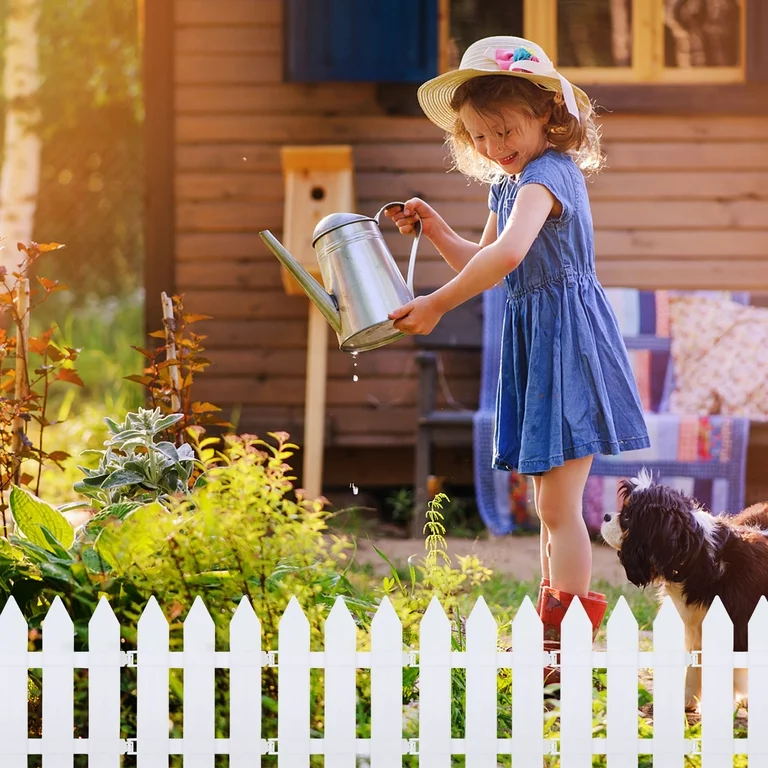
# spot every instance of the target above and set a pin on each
(355, 489)
(245, 159)
(355, 378)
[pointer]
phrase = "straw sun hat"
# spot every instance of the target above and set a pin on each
(501, 55)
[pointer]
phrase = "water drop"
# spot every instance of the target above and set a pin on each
(355, 378)
(245, 159)
(355, 489)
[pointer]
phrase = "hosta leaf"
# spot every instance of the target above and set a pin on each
(8, 551)
(31, 513)
(56, 572)
(54, 545)
(70, 505)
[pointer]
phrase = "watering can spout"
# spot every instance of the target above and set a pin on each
(319, 296)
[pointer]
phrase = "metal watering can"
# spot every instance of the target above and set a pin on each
(362, 281)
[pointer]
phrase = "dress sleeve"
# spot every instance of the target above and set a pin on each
(555, 172)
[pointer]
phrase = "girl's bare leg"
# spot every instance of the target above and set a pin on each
(564, 534)
(544, 533)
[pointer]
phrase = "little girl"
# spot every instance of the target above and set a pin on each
(566, 390)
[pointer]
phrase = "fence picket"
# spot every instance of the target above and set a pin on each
(199, 687)
(668, 687)
(622, 687)
(527, 687)
(386, 688)
(340, 687)
(245, 687)
(717, 688)
(58, 687)
(481, 727)
(152, 706)
(293, 688)
(13, 673)
(576, 688)
(435, 688)
(758, 686)
(104, 747)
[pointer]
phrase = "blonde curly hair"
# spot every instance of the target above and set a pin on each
(488, 94)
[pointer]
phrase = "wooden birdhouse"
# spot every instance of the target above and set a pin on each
(318, 181)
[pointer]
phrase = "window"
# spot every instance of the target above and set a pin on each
(470, 20)
(612, 41)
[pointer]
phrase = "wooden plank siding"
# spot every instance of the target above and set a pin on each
(682, 203)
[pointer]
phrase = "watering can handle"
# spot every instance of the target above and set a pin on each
(414, 247)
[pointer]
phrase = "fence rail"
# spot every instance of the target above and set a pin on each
(430, 736)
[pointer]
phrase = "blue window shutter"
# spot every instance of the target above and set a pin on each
(380, 41)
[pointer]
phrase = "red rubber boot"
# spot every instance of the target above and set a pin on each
(546, 582)
(554, 605)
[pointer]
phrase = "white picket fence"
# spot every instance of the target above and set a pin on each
(386, 659)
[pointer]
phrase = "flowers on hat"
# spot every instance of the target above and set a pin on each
(506, 59)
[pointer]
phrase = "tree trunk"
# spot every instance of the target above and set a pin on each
(20, 176)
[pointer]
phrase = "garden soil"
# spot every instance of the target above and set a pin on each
(516, 556)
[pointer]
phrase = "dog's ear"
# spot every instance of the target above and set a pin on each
(625, 491)
(637, 559)
(680, 546)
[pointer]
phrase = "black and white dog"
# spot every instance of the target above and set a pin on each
(665, 538)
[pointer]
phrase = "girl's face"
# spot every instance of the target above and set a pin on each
(510, 139)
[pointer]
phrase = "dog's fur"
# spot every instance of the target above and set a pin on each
(665, 538)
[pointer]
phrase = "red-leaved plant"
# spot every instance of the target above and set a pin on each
(29, 365)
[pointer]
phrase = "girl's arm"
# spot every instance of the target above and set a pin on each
(487, 267)
(456, 250)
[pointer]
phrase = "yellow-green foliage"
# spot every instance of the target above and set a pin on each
(242, 531)
(434, 576)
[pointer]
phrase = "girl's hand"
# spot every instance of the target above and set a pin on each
(419, 316)
(415, 209)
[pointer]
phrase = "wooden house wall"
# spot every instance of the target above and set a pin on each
(682, 203)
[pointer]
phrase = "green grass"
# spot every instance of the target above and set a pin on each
(508, 594)
(505, 595)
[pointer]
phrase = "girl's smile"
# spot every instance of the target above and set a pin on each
(508, 160)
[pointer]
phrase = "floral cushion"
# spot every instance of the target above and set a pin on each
(720, 357)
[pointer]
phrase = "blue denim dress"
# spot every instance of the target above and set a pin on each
(566, 388)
